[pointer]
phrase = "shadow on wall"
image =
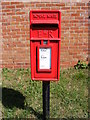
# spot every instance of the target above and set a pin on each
(89, 59)
(12, 98)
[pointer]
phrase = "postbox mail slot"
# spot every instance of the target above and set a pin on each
(45, 32)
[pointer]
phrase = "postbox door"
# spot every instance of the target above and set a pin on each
(45, 73)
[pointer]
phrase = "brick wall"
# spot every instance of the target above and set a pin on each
(16, 31)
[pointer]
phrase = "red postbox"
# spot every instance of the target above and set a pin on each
(45, 37)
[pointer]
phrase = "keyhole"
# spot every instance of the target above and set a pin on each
(45, 42)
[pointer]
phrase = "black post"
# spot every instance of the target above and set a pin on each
(46, 99)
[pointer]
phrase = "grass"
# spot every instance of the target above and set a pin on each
(22, 97)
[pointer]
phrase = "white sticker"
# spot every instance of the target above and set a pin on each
(45, 58)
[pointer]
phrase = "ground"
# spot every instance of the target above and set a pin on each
(22, 97)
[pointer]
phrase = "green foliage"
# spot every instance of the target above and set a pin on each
(22, 97)
(81, 65)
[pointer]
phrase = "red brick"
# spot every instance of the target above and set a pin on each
(20, 6)
(5, 3)
(29, 4)
(55, 8)
(20, 13)
(14, 22)
(80, 4)
(16, 36)
(75, 14)
(6, 10)
(65, 8)
(75, 7)
(15, 17)
(40, 5)
(10, 6)
(20, 32)
(15, 3)
(60, 4)
(11, 13)
(42, 8)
